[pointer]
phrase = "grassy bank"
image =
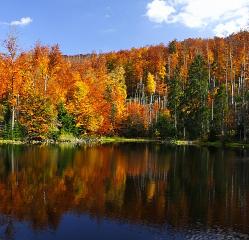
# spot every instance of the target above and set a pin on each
(93, 140)
(210, 144)
(87, 140)
(124, 140)
(15, 142)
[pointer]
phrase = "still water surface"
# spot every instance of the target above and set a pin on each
(123, 191)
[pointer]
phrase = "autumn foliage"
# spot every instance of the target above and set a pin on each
(112, 93)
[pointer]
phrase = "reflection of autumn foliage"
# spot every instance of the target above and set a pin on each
(141, 184)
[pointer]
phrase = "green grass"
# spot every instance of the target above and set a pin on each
(237, 145)
(15, 142)
(123, 140)
(210, 144)
(184, 142)
(66, 137)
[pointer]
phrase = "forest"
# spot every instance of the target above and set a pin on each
(191, 89)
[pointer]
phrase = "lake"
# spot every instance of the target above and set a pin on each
(123, 191)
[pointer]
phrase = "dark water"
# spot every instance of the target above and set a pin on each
(123, 191)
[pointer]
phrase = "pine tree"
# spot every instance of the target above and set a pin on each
(220, 112)
(194, 106)
(67, 122)
(174, 98)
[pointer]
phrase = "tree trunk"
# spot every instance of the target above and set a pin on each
(175, 120)
(12, 122)
(45, 84)
(212, 116)
(231, 74)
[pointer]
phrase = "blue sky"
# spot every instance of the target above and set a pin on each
(83, 26)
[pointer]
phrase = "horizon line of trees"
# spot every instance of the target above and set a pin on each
(193, 89)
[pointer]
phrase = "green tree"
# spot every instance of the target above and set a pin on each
(220, 112)
(174, 97)
(66, 121)
(172, 47)
(194, 106)
(164, 126)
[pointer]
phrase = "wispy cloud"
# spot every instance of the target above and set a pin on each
(108, 12)
(107, 15)
(108, 30)
(223, 16)
(21, 22)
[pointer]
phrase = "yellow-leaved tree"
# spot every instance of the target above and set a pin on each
(37, 115)
(82, 108)
(116, 95)
(151, 85)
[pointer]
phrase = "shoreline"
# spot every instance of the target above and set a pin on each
(105, 140)
(82, 141)
(217, 144)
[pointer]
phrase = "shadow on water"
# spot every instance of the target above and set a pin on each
(124, 191)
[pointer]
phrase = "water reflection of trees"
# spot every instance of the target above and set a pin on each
(148, 184)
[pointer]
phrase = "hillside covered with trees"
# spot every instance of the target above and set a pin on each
(191, 89)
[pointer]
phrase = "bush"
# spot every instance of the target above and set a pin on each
(66, 137)
(67, 122)
(133, 127)
(135, 123)
(18, 133)
(164, 127)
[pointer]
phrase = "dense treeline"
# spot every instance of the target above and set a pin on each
(197, 88)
